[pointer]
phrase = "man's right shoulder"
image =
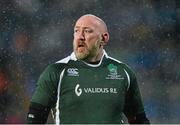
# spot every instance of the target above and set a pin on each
(64, 60)
(58, 66)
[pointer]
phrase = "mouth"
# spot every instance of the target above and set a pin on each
(81, 48)
(81, 45)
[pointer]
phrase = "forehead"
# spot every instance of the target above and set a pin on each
(87, 22)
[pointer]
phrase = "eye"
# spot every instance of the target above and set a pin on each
(88, 31)
(76, 30)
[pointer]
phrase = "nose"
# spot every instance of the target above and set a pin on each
(80, 36)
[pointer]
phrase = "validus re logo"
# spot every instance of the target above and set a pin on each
(78, 90)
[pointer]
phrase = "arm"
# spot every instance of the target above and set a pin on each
(37, 114)
(44, 97)
(142, 119)
(134, 109)
(138, 119)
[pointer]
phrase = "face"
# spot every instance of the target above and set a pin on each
(87, 38)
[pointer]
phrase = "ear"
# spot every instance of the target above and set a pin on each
(105, 38)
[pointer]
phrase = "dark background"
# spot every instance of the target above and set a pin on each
(143, 33)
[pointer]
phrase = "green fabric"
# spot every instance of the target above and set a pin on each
(90, 94)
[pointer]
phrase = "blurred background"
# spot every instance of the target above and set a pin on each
(144, 34)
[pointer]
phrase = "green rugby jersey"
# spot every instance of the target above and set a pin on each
(85, 93)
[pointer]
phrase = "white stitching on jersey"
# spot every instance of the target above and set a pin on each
(58, 98)
(128, 79)
(113, 59)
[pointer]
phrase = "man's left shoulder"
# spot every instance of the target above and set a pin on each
(116, 61)
(120, 64)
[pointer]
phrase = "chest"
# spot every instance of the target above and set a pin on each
(89, 85)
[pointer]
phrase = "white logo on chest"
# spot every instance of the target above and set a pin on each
(72, 72)
(78, 90)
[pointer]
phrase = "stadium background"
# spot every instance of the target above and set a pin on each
(143, 33)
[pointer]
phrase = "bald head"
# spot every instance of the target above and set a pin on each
(96, 20)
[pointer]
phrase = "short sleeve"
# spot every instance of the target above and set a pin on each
(133, 100)
(46, 90)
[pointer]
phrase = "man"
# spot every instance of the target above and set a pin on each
(88, 87)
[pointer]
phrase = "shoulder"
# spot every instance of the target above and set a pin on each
(64, 60)
(121, 64)
(116, 61)
(58, 66)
